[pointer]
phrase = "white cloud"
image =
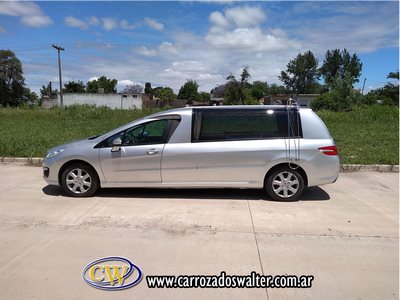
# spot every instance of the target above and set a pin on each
(72, 21)
(218, 19)
(253, 38)
(93, 21)
(169, 48)
(30, 13)
(239, 27)
(180, 71)
(164, 49)
(146, 51)
(356, 26)
(124, 24)
(333, 32)
(154, 24)
(93, 78)
(239, 16)
(243, 16)
(125, 82)
(109, 23)
(36, 21)
(75, 22)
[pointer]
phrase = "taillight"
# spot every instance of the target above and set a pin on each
(329, 150)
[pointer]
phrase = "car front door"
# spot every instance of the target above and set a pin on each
(136, 162)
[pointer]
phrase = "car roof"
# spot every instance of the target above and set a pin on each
(223, 107)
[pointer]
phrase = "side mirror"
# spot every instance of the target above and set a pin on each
(116, 145)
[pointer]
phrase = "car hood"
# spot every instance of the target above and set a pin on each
(75, 144)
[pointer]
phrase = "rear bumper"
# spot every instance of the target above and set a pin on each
(322, 169)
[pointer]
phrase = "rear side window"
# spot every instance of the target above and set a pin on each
(240, 124)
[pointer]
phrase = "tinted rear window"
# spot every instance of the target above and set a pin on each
(240, 124)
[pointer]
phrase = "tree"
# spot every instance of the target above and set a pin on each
(74, 87)
(147, 88)
(11, 79)
(389, 94)
(133, 89)
(244, 77)
(109, 85)
(259, 89)
(44, 91)
(48, 91)
(339, 63)
(238, 92)
(164, 93)
(232, 92)
(340, 97)
(301, 75)
(204, 96)
(31, 98)
(275, 89)
(189, 91)
(393, 75)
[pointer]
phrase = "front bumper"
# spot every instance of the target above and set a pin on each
(50, 171)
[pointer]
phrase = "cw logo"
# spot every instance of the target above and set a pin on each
(106, 269)
(112, 273)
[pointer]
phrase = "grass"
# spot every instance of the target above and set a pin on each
(30, 132)
(365, 135)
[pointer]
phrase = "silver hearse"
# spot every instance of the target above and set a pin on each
(281, 149)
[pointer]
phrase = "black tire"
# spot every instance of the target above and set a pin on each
(80, 177)
(289, 176)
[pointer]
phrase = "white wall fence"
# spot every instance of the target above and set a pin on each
(121, 101)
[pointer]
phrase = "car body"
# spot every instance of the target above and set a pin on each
(280, 148)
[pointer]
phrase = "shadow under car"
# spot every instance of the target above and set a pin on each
(309, 194)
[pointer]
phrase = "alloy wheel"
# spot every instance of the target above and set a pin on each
(78, 181)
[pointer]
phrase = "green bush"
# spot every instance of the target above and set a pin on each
(327, 101)
(335, 100)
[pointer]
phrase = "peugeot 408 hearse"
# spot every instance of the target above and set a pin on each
(281, 149)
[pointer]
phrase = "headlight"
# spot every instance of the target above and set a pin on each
(54, 153)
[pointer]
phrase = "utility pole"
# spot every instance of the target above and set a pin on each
(362, 91)
(59, 48)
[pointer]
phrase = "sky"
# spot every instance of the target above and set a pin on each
(167, 42)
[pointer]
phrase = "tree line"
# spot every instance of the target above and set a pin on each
(333, 80)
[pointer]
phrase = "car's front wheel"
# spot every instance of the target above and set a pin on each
(284, 184)
(79, 180)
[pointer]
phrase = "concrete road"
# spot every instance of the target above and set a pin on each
(345, 234)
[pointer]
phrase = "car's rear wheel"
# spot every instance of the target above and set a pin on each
(284, 184)
(79, 180)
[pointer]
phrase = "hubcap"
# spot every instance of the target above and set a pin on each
(78, 181)
(285, 184)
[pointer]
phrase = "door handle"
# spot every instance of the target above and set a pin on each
(152, 151)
